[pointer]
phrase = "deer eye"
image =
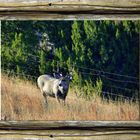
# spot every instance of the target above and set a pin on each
(60, 85)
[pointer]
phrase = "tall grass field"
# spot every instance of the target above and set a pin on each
(22, 100)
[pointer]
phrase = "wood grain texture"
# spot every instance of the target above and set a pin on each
(51, 137)
(67, 124)
(69, 9)
(56, 16)
(70, 130)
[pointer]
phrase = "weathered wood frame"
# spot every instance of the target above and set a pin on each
(70, 129)
(70, 10)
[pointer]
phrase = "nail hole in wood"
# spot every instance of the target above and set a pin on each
(51, 136)
(50, 4)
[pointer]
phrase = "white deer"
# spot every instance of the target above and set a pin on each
(54, 87)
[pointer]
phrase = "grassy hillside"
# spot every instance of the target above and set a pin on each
(22, 100)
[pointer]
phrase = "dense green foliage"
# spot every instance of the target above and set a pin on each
(92, 50)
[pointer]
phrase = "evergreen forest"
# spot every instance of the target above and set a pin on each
(102, 56)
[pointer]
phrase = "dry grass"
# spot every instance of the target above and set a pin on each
(21, 100)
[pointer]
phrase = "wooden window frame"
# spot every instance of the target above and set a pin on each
(70, 10)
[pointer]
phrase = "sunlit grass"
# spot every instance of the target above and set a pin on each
(22, 100)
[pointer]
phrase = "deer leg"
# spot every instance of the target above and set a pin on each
(56, 96)
(64, 102)
(58, 99)
(45, 97)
